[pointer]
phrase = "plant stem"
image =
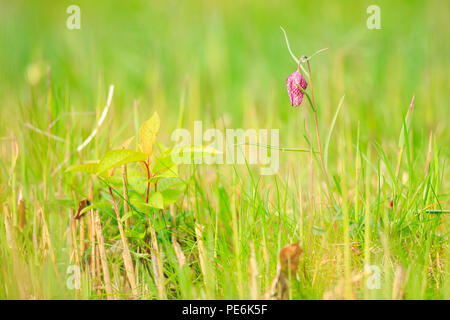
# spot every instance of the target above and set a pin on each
(148, 177)
(316, 120)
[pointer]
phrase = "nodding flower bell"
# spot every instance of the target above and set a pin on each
(293, 81)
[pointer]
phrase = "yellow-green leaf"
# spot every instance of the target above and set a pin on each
(98, 205)
(156, 200)
(172, 195)
(164, 165)
(88, 167)
(116, 158)
(147, 134)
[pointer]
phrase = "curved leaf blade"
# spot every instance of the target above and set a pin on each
(116, 158)
(88, 167)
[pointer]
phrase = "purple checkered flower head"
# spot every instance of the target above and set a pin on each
(293, 81)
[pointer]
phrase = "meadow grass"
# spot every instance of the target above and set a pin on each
(385, 201)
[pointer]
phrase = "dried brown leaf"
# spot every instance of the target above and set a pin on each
(81, 205)
(289, 258)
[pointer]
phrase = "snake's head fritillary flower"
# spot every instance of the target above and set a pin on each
(295, 94)
(293, 81)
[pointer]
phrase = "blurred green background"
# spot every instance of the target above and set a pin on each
(230, 60)
(235, 59)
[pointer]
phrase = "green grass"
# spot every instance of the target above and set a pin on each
(226, 64)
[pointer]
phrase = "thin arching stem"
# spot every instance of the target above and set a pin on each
(288, 46)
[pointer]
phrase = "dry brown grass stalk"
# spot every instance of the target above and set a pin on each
(126, 251)
(18, 265)
(47, 242)
(398, 287)
(201, 251)
(103, 258)
(253, 273)
(181, 258)
(22, 211)
(159, 273)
